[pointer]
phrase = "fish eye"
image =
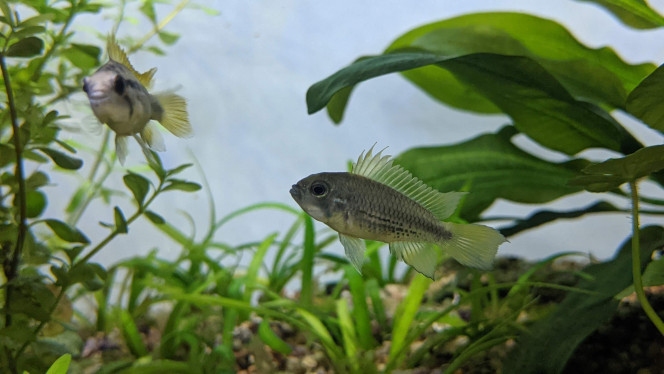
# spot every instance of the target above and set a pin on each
(119, 85)
(85, 85)
(319, 189)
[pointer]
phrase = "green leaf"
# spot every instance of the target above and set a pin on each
(598, 74)
(645, 101)
(120, 221)
(62, 160)
(36, 180)
(61, 365)
(83, 56)
(579, 314)
(148, 10)
(177, 184)
(361, 317)
(27, 31)
(91, 275)
(634, 13)
(131, 335)
(178, 169)
(35, 203)
(28, 47)
(271, 339)
(37, 20)
(138, 185)
(613, 172)
(77, 199)
(539, 105)
(7, 13)
(405, 314)
(168, 38)
(348, 334)
(154, 217)
(66, 232)
(545, 216)
(494, 168)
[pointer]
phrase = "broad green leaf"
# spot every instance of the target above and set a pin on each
(138, 185)
(27, 31)
(653, 276)
(177, 184)
(36, 180)
(62, 160)
(91, 275)
(634, 13)
(645, 101)
(545, 216)
(66, 232)
(494, 168)
(613, 172)
(28, 47)
(61, 365)
(83, 56)
(539, 105)
(35, 203)
(30, 296)
(271, 339)
(120, 221)
(578, 315)
(599, 74)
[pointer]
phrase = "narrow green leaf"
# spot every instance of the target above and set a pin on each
(360, 308)
(62, 160)
(131, 335)
(545, 216)
(272, 340)
(66, 232)
(406, 313)
(7, 13)
(28, 47)
(634, 13)
(61, 365)
(178, 169)
(154, 217)
(37, 20)
(307, 263)
(120, 221)
(578, 315)
(494, 168)
(168, 38)
(348, 334)
(76, 199)
(177, 184)
(373, 289)
(138, 185)
(27, 31)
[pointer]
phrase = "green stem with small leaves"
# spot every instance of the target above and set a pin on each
(636, 262)
(160, 26)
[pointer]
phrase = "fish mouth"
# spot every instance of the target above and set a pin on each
(98, 96)
(296, 192)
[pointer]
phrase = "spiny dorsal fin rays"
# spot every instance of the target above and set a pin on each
(117, 54)
(382, 169)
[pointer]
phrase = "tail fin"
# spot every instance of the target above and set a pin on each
(173, 114)
(472, 245)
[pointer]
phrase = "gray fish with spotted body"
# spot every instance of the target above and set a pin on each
(382, 201)
(119, 98)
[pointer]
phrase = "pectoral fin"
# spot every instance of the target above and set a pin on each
(150, 134)
(354, 250)
(121, 148)
(423, 257)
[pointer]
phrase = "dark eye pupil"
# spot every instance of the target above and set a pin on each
(119, 85)
(318, 189)
(85, 86)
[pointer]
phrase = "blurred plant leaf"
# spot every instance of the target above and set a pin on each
(645, 101)
(579, 314)
(539, 105)
(35, 203)
(177, 184)
(613, 172)
(634, 13)
(494, 168)
(62, 160)
(148, 10)
(271, 339)
(61, 365)
(83, 56)
(28, 47)
(66, 232)
(120, 221)
(545, 216)
(168, 38)
(405, 314)
(360, 308)
(131, 335)
(138, 185)
(154, 217)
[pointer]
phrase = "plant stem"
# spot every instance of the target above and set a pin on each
(11, 268)
(636, 262)
(160, 26)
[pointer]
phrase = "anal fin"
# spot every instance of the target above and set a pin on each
(151, 135)
(423, 257)
(354, 250)
(121, 148)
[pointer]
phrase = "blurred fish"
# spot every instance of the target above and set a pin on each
(119, 98)
(382, 201)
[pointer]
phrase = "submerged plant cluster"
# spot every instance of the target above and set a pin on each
(196, 315)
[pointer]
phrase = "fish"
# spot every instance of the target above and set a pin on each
(379, 200)
(119, 98)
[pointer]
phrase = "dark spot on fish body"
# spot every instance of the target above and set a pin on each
(119, 85)
(131, 105)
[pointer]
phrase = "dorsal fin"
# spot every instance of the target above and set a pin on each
(382, 169)
(117, 54)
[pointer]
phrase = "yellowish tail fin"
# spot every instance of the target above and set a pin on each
(472, 245)
(173, 115)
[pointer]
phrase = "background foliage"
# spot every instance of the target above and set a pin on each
(58, 306)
